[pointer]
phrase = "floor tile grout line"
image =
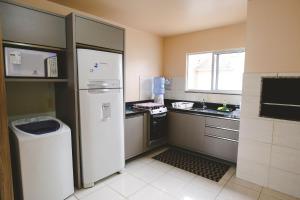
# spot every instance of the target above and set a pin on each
(132, 193)
(89, 192)
(116, 191)
(248, 186)
(260, 193)
(147, 184)
(168, 192)
(223, 186)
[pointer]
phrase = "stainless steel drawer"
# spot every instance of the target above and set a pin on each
(223, 149)
(222, 123)
(220, 133)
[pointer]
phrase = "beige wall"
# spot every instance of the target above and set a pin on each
(273, 36)
(143, 50)
(144, 59)
(176, 47)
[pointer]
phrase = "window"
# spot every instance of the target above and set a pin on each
(220, 72)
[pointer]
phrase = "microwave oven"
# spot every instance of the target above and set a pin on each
(30, 63)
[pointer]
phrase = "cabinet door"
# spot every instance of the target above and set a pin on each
(221, 148)
(220, 138)
(98, 34)
(33, 27)
(186, 130)
(134, 136)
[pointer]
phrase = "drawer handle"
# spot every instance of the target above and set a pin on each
(222, 128)
(222, 138)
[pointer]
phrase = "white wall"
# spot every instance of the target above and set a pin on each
(177, 91)
(269, 149)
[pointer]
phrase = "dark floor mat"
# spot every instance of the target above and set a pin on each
(194, 163)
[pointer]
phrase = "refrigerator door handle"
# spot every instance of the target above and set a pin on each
(97, 85)
(98, 91)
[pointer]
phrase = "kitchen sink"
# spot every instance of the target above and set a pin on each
(210, 111)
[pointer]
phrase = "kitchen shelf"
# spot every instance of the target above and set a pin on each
(50, 80)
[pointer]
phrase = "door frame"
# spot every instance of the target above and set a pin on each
(6, 185)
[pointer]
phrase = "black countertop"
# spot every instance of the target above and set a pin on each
(210, 111)
(196, 110)
(131, 111)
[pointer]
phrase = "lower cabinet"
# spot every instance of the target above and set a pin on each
(186, 130)
(134, 135)
(220, 148)
(208, 135)
(221, 138)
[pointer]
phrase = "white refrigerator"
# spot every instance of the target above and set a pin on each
(101, 107)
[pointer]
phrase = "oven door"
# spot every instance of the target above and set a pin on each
(158, 132)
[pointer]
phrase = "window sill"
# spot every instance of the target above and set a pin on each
(215, 92)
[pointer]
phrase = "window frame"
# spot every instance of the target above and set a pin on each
(214, 71)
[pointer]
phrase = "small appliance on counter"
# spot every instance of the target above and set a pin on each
(30, 63)
(159, 90)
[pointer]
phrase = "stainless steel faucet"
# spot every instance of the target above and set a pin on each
(203, 104)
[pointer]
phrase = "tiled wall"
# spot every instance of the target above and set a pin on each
(177, 91)
(269, 149)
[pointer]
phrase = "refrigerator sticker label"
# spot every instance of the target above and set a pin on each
(106, 110)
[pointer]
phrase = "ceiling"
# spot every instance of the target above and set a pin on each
(165, 17)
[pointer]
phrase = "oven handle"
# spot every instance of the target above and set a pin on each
(159, 115)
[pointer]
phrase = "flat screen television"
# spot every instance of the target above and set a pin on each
(280, 98)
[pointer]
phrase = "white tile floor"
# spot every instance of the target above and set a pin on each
(148, 179)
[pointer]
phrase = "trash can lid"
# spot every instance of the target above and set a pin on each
(40, 127)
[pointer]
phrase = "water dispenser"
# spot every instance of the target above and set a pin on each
(159, 90)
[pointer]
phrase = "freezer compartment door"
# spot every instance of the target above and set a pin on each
(99, 69)
(102, 133)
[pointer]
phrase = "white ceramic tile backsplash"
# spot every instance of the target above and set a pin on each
(146, 88)
(289, 74)
(285, 182)
(176, 90)
(254, 151)
(256, 129)
(269, 149)
(178, 83)
(250, 106)
(251, 84)
(287, 134)
(286, 159)
(253, 172)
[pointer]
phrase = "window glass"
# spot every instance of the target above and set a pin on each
(230, 71)
(199, 71)
(215, 71)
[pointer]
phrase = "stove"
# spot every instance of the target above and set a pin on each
(158, 121)
(153, 108)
